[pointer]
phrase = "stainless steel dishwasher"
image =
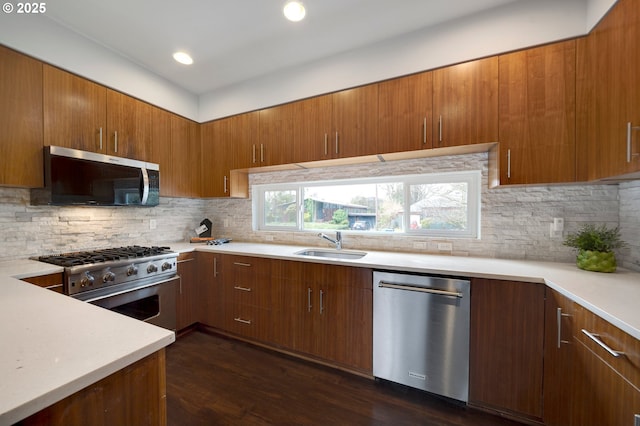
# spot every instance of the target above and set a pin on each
(421, 332)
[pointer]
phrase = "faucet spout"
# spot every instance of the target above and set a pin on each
(337, 241)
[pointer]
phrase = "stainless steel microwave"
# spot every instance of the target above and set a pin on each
(75, 177)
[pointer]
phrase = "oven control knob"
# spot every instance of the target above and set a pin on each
(109, 276)
(166, 266)
(152, 268)
(87, 280)
(132, 270)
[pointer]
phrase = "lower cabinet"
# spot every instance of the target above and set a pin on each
(210, 284)
(506, 347)
(52, 282)
(590, 379)
(187, 298)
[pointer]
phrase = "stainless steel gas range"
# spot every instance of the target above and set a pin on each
(136, 281)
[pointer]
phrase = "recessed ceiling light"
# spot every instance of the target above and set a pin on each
(183, 58)
(294, 11)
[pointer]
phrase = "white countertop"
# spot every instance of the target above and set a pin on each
(54, 346)
(614, 297)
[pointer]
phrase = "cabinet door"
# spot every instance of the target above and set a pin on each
(506, 346)
(21, 120)
(129, 127)
(312, 129)
(355, 118)
(210, 277)
(187, 298)
(405, 117)
(275, 136)
(75, 111)
(612, 91)
(537, 115)
(185, 153)
(465, 103)
(559, 358)
(161, 152)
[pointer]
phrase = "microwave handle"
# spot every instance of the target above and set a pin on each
(144, 190)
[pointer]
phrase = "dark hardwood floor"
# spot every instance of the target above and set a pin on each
(212, 380)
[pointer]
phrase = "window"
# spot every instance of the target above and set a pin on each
(443, 204)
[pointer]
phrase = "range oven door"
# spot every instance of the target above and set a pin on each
(154, 303)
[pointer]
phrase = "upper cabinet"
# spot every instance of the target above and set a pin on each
(275, 139)
(20, 120)
(84, 115)
(465, 103)
(354, 118)
(405, 116)
(537, 106)
(185, 157)
(312, 128)
(609, 88)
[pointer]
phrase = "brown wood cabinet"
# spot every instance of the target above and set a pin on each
(312, 129)
(506, 347)
(21, 120)
(246, 290)
(275, 144)
(609, 94)
(135, 395)
(188, 297)
(354, 118)
(52, 282)
(84, 115)
(327, 312)
(209, 270)
(227, 144)
(537, 113)
(405, 116)
(465, 103)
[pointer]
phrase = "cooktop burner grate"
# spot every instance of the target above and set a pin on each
(103, 255)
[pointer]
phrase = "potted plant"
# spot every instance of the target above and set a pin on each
(595, 246)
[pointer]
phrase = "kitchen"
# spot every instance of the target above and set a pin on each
(515, 220)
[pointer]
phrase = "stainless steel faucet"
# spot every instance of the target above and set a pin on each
(337, 241)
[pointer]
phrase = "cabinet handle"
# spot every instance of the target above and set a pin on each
(440, 129)
(321, 302)
(596, 338)
(100, 138)
(243, 321)
(262, 153)
(559, 320)
(248, 265)
(215, 266)
(326, 152)
(509, 164)
(225, 184)
(630, 129)
(337, 142)
(54, 286)
(186, 260)
(115, 144)
(424, 131)
(254, 154)
(309, 299)
(237, 287)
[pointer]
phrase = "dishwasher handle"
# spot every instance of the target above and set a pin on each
(408, 287)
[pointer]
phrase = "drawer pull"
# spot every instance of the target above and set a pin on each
(243, 321)
(248, 265)
(596, 338)
(237, 287)
(54, 286)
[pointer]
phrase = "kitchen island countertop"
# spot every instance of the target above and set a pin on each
(614, 297)
(54, 345)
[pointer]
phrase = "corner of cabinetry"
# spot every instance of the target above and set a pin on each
(239, 183)
(494, 166)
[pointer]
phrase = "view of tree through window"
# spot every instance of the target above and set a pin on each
(442, 204)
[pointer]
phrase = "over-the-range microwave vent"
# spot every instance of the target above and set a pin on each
(75, 177)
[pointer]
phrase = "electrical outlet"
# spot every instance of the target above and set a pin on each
(445, 246)
(153, 224)
(420, 245)
(553, 233)
(225, 223)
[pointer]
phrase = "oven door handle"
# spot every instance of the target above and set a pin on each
(129, 290)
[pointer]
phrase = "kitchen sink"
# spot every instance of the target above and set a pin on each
(332, 254)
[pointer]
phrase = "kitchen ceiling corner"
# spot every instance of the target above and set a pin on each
(236, 41)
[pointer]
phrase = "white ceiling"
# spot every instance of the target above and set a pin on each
(237, 40)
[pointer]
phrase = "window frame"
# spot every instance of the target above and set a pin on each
(473, 179)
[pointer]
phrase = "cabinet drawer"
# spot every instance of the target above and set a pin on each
(247, 321)
(613, 341)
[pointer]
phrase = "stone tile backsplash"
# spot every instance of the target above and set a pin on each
(515, 221)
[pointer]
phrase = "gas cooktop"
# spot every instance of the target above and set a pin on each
(103, 255)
